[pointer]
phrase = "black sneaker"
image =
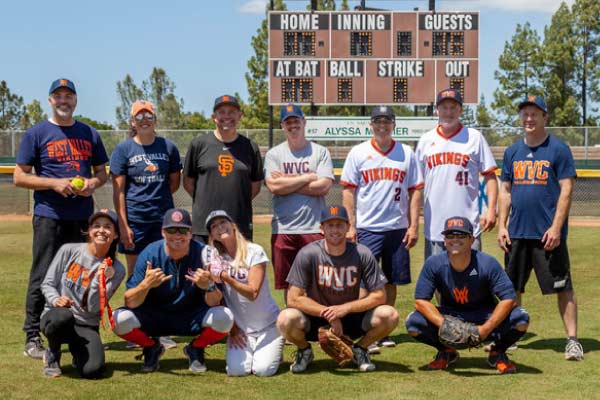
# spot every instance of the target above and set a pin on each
(151, 356)
(34, 348)
(52, 363)
(195, 356)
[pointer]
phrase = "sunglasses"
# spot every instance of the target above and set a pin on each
(382, 120)
(146, 115)
(174, 230)
(456, 235)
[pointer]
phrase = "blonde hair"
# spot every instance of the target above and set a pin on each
(241, 248)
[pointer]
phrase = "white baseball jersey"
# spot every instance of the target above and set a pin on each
(451, 168)
(382, 182)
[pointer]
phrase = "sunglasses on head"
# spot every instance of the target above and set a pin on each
(174, 230)
(144, 115)
(456, 235)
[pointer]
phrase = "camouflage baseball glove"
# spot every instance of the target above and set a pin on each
(338, 348)
(458, 334)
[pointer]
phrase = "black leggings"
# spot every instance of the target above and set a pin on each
(59, 326)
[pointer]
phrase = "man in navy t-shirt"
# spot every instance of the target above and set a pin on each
(58, 149)
(538, 174)
(473, 287)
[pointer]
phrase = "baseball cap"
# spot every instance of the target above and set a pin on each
(226, 99)
(177, 218)
(457, 224)
(537, 101)
(104, 212)
(383, 111)
(335, 211)
(60, 83)
(141, 105)
(451, 94)
(290, 110)
(216, 214)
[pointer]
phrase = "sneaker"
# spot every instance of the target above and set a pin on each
(387, 342)
(167, 342)
(302, 358)
(131, 345)
(501, 362)
(151, 356)
(196, 357)
(374, 348)
(51, 363)
(444, 359)
(490, 347)
(34, 348)
(361, 358)
(573, 350)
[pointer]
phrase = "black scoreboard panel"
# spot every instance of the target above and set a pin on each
(372, 57)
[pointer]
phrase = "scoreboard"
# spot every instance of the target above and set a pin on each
(372, 57)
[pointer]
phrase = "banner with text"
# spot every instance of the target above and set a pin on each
(358, 128)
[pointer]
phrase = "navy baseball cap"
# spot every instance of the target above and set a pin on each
(383, 111)
(335, 211)
(457, 224)
(177, 218)
(451, 94)
(537, 101)
(60, 83)
(290, 110)
(226, 99)
(104, 212)
(214, 215)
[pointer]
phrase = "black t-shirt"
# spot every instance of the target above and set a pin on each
(224, 173)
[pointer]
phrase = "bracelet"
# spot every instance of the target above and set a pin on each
(211, 287)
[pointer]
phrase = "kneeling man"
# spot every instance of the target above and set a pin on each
(325, 281)
(473, 287)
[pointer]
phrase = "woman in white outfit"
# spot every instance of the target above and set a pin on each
(239, 267)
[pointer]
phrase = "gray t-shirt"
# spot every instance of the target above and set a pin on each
(331, 280)
(296, 213)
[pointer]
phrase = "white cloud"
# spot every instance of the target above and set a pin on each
(546, 6)
(253, 7)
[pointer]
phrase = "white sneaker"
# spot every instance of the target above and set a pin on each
(167, 342)
(573, 350)
(374, 349)
(387, 342)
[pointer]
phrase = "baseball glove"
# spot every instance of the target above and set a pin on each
(458, 334)
(338, 348)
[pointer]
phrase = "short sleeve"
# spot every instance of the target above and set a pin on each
(350, 172)
(325, 165)
(174, 157)
(118, 160)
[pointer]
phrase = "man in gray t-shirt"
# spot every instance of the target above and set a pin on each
(299, 173)
(325, 282)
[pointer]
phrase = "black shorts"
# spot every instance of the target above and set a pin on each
(552, 268)
(355, 325)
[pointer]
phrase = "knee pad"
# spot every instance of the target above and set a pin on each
(218, 318)
(125, 321)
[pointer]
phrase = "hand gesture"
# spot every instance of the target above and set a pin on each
(155, 276)
(200, 278)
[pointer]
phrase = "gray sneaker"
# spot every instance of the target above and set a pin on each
(52, 363)
(361, 358)
(34, 348)
(195, 356)
(573, 350)
(302, 358)
(167, 342)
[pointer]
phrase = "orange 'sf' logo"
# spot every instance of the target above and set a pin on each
(333, 210)
(531, 98)
(448, 93)
(225, 164)
(461, 295)
(225, 98)
(64, 82)
(290, 108)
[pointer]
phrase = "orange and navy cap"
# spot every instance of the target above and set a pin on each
(334, 211)
(290, 110)
(537, 101)
(141, 105)
(226, 99)
(457, 224)
(451, 94)
(60, 83)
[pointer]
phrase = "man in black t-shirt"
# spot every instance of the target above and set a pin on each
(223, 170)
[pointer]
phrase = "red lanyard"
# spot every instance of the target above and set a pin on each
(103, 300)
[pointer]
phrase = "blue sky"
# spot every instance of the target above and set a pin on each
(203, 45)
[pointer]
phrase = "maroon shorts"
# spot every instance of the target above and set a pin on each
(284, 248)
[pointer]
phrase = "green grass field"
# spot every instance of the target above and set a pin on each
(543, 373)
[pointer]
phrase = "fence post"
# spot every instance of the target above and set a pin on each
(12, 143)
(585, 144)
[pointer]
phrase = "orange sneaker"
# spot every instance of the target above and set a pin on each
(501, 362)
(443, 359)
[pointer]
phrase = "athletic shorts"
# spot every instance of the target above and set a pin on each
(143, 235)
(552, 268)
(355, 325)
(433, 247)
(284, 248)
(165, 323)
(388, 247)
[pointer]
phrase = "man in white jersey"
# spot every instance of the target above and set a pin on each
(381, 178)
(451, 157)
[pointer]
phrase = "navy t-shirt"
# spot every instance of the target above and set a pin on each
(534, 174)
(62, 152)
(176, 294)
(146, 169)
(475, 288)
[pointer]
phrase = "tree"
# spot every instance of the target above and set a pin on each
(128, 93)
(11, 108)
(33, 115)
(482, 114)
(101, 126)
(519, 74)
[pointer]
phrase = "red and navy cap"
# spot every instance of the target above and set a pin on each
(226, 99)
(290, 110)
(449, 94)
(177, 218)
(457, 224)
(537, 101)
(60, 83)
(334, 211)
